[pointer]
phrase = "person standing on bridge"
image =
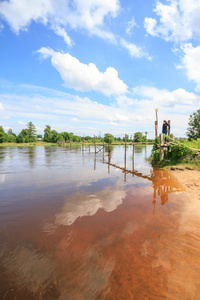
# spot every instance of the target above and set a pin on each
(165, 128)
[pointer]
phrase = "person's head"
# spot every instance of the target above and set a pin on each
(164, 121)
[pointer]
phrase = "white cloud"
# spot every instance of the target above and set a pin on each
(1, 106)
(75, 119)
(62, 15)
(65, 112)
(58, 14)
(118, 118)
(131, 25)
(62, 32)
(150, 26)
(19, 14)
(178, 21)
(191, 62)
(164, 98)
(21, 123)
(84, 77)
(134, 50)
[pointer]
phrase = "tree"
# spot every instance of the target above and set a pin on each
(20, 138)
(138, 137)
(31, 132)
(47, 134)
(2, 135)
(55, 136)
(107, 137)
(67, 136)
(76, 138)
(193, 131)
(11, 138)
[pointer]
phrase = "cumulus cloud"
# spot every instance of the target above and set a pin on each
(177, 21)
(191, 62)
(83, 77)
(130, 113)
(63, 15)
(59, 14)
(167, 98)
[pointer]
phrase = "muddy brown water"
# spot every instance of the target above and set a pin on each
(78, 226)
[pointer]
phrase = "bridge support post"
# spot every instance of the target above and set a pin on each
(169, 122)
(161, 146)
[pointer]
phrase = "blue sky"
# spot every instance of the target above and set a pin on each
(90, 66)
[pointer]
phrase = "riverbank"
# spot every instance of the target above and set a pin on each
(190, 180)
(40, 143)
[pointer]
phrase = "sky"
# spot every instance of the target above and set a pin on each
(96, 66)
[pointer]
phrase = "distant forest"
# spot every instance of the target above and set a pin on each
(29, 135)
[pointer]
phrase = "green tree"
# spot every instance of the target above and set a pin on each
(67, 136)
(2, 135)
(11, 132)
(20, 138)
(76, 138)
(138, 137)
(11, 138)
(47, 134)
(107, 137)
(193, 131)
(55, 136)
(31, 132)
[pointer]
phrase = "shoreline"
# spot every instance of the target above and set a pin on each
(189, 179)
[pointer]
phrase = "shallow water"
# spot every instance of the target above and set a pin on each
(75, 225)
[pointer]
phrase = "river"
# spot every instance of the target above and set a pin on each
(80, 225)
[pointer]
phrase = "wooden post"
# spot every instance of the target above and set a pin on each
(89, 147)
(82, 146)
(109, 146)
(156, 123)
(109, 158)
(156, 129)
(169, 122)
(95, 143)
(103, 152)
(125, 154)
(125, 161)
(161, 147)
(133, 160)
(95, 162)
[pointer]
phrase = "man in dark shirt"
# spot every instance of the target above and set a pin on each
(165, 128)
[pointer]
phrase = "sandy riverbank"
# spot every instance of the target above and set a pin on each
(190, 180)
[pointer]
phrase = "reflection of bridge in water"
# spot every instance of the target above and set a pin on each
(163, 182)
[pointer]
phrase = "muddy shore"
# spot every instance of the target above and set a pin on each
(190, 180)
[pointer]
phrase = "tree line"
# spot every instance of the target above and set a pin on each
(29, 135)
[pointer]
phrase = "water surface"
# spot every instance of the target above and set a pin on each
(75, 225)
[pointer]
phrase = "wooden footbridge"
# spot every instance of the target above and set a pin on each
(165, 142)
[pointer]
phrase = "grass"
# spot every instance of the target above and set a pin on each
(183, 155)
(28, 144)
(192, 144)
